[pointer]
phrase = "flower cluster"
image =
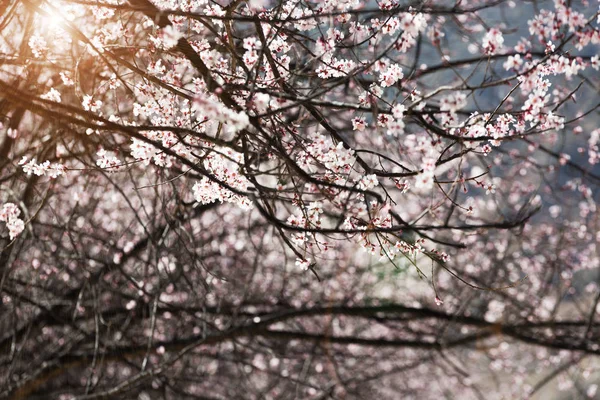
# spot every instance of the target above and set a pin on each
(108, 161)
(513, 62)
(335, 68)
(223, 182)
(91, 105)
(303, 264)
(210, 107)
(493, 41)
(38, 46)
(391, 75)
(53, 170)
(453, 102)
(169, 36)
(10, 214)
(52, 95)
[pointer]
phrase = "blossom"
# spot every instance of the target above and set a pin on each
(513, 62)
(143, 151)
(9, 211)
(453, 102)
(383, 120)
(368, 182)
(10, 214)
(358, 124)
(52, 95)
(493, 41)
(413, 24)
(304, 264)
(206, 105)
(476, 131)
(65, 76)
(261, 102)
(89, 105)
(594, 62)
(388, 4)
(391, 75)
(170, 35)
(223, 170)
(335, 68)
(53, 170)
(398, 111)
(542, 25)
(38, 45)
(395, 127)
(107, 161)
(425, 179)
(403, 186)
(302, 110)
(15, 227)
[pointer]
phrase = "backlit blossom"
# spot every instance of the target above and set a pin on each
(38, 45)
(52, 95)
(303, 264)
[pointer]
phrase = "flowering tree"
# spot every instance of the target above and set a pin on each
(299, 199)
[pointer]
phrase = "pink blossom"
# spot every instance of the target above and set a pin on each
(493, 41)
